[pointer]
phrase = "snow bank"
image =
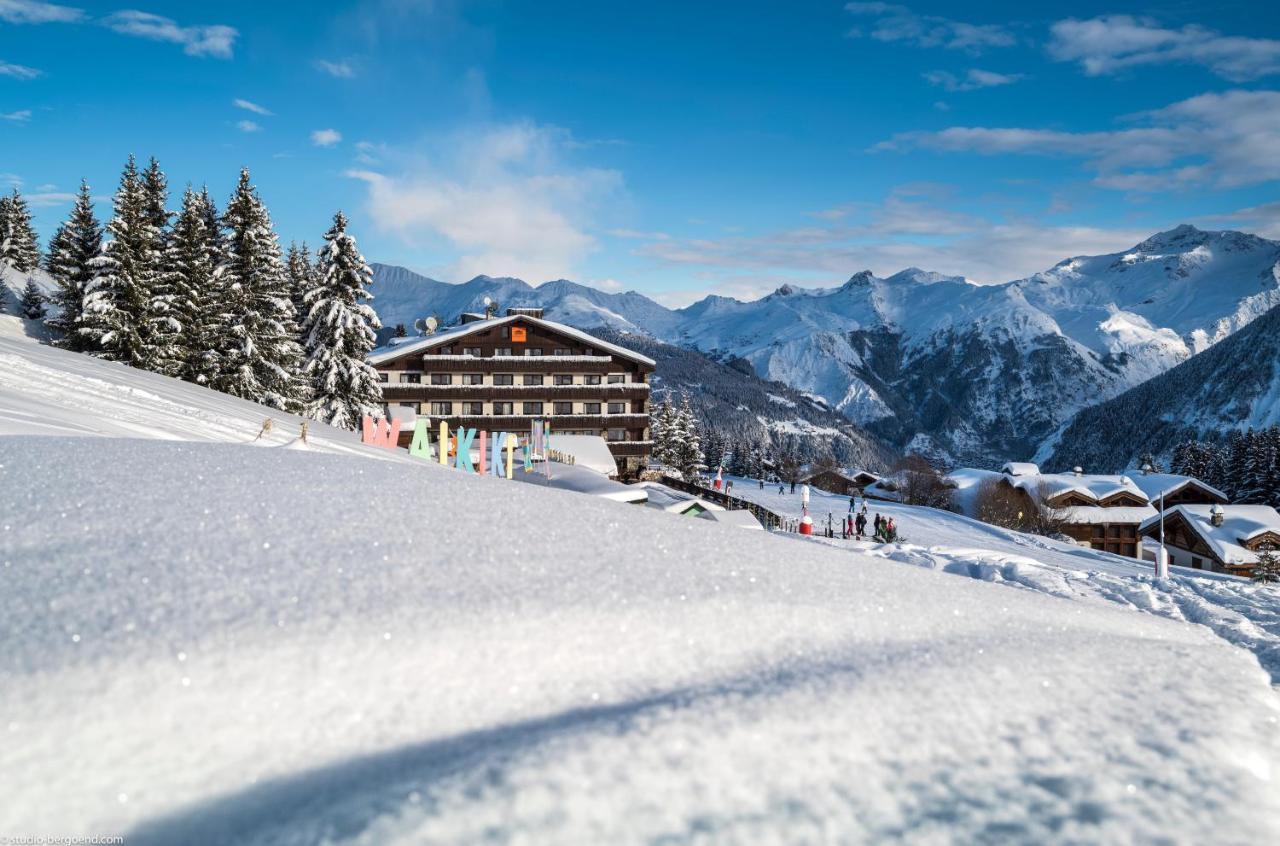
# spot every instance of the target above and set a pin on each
(212, 644)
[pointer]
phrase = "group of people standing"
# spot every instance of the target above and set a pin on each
(855, 524)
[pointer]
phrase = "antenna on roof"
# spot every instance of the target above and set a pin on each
(490, 307)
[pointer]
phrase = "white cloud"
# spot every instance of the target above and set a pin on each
(891, 22)
(18, 71)
(613, 286)
(252, 107)
(326, 137)
(973, 79)
(20, 116)
(205, 40)
(502, 200)
(1225, 139)
(1112, 43)
(896, 234)
(46, 199)
(637, 234)
(1262, 220)
(34, 12)
(248, 126)
(341, 69)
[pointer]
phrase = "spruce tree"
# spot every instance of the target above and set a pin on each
(302, 278)
(195, 304)
(118, 312)
(32, 304)
(19, 246)
(687, 448)
(260, 357)
(70, 263)
(340, 332)
(1267, 569)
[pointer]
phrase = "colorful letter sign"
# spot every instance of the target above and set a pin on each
(380, 432)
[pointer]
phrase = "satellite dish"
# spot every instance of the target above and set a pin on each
(488, 300)
(430, 324)
(420, 325)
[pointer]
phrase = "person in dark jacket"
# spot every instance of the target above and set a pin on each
(860, 525)
(879, 525)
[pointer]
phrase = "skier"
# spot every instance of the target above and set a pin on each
(879, 524)
(780, 489)
(853, 504)
(728, 487)
(793, 486)
(860, 525)
(762, 483)
(890, 531)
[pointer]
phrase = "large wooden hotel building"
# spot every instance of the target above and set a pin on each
(501, 373)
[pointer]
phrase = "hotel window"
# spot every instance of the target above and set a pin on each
(502, 351)
(475, 351)
(1196, 563)
(473, 378)
(532, 408)
(473, 409)
(440, 409)
(533, 378)
(1099, 532)
(411, 378)
(504, 378)
(507, 408)
(533, 351)
(562, 408)
(617, 408)
(442, 378)
(384, 377)
(591, 379)
(563, 379)
(562, 351)
(445, 351)
(617, 378)
(591, 408)
(506, 331)
(617, 435)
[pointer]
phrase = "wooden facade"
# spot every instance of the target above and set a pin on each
(1119, 535)
(1188, 549)
(840, 483)
(500, 374)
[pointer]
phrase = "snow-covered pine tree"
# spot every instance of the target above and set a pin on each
(658, 430)
(19, 246)
(340, 332)
(194, 304)
(302, 278)
(164, 326)
(260, 355)
(688, 445)
(401, 332)
(71, 252)
(1267, 570)
(117, 304)
(32, 304)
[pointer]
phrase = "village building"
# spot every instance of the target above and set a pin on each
(844, 482)
(1219, 538)
(499, 374)
(1099, 511)
(1165, 490)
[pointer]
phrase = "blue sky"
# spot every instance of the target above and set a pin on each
(673, 148)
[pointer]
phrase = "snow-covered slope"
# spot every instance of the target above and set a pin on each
(207, 643)
(977, 373)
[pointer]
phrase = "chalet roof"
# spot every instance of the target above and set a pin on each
(590, 451)
(1155, 484)
(846, 474)
(456, 333)
(676, 501)
(1240, 523)
(1020, 468)
(1095, 514)
(1091, 486)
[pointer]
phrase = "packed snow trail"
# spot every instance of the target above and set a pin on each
(1239, 612)
(211, 643)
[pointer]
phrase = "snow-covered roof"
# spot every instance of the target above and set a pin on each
(670, 499)
(1240, 523)
(571, 477)
(454, 333)
(966, 481)
(846, 474)
(1089, 485)
(741, 518)
(1155, 484)
(1020, 468)
(590, 451)
(1094, 514)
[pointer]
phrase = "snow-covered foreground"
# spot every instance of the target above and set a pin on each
(207, 641)
(1242, 613)
(211, 643)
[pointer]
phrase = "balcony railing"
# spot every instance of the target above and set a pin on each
(475, 393)
(521, 364)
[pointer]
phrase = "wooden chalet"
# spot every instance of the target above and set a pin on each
(1099, 511)
(841, 482)
(501, 373)
(1172, 489)
(1219, 538)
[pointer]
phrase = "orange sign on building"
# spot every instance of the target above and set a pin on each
(518, 334)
